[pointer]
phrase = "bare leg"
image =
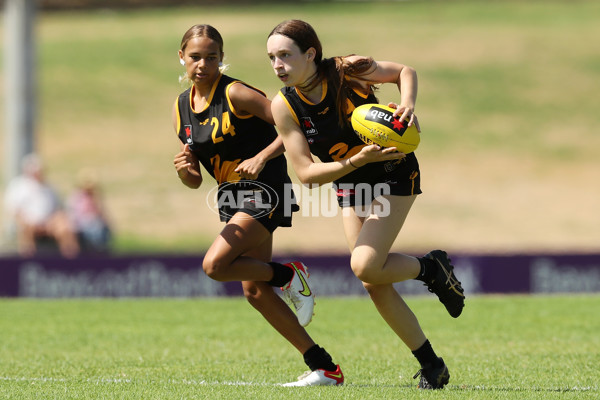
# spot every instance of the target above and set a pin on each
(263, 298)
(26, 239)
(241, 252)
(225, 260)
(397, 314)
(371, 260)
(63, 231)
(370, 245)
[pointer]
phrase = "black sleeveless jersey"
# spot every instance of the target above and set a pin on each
(331, 142)
(221, 139)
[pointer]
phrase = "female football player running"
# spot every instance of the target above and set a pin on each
(227, 126)
(375, 186)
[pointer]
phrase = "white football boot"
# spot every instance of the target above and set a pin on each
(319, 377)
(298, 293)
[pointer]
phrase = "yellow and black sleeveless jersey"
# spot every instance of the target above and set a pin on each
(221, 139)
(331, 142)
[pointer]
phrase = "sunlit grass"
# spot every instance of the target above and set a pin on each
(511, 347)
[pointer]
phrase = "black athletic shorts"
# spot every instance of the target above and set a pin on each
(405, 181)
(268, 204)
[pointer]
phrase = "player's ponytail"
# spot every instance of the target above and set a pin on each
(344, 77)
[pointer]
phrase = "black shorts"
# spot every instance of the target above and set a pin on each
(268, 204)
(404, 181)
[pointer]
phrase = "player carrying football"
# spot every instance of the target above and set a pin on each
(312, 116)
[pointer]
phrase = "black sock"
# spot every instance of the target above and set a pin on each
(428, 269)
(317, 358)
(281, 274)
(426, 356)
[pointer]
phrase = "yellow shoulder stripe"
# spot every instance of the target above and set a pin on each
(231, 107)
(280, 93)
(178, 116)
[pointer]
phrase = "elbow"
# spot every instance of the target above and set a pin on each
(309, 176)
(307, 179)
(192, 184)
(411, 71)
(311, 181)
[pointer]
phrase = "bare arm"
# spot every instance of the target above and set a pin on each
(186, 164)
(310, 172)
(404, 77)
(247, 101)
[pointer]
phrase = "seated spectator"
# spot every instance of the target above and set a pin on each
(36, 211)
(87, 213)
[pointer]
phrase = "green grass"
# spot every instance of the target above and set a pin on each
(504, 347)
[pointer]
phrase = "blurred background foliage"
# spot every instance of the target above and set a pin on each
(508, 102)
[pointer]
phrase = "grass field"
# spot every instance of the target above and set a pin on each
(510, 347)
(507, 102)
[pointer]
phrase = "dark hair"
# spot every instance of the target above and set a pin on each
(303, 34)
(201, 30)
(334, 70)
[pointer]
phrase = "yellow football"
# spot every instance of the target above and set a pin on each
(375, 124)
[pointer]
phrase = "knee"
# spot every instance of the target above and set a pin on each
(365, 264)
(214, 268)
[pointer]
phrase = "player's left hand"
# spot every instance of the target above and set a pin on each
(250, 168)
(404, 113)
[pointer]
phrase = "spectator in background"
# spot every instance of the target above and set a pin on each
(86, 210)
(35, 209)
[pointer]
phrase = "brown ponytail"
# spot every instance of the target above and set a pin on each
(343, 76)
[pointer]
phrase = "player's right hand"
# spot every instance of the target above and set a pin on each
(374, 153)
(185, 161)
